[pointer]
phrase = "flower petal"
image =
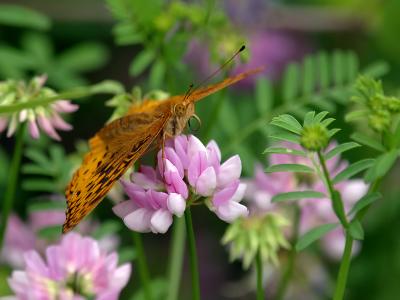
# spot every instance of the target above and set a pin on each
(161, 221)
(198, 163)
(47, 127)
(139, 220)
(225, 194)
(207, 182)
(229, 171)
(231, 210)
(176, 204)
(124, 208)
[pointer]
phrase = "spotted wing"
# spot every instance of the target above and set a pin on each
(112, 151)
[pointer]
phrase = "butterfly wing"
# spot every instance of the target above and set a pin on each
(113, 150)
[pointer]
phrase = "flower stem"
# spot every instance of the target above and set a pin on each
(9, 195)
(344, 269)
(287, 275)
(335, 196)
(142, 265)
(259, 268)
(176, 261)
(192, 255)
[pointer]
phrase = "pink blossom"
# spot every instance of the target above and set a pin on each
(314, 212)
(46, 117)
(188, 165)
(76, 268)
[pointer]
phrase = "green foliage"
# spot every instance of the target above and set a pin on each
(313, 235)
(48, 172)
(290, 196)
(37, 54)
(15, 15)
(157, 25)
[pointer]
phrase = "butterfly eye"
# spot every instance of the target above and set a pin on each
(194, 123)
(179, 110)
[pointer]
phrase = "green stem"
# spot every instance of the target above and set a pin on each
(192, 255)
(335, 197)
(142, 265)
(176, 258)
(344, 269)
(287, 275)
(259, 268)
(9, 195)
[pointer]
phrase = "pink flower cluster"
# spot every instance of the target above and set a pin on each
(47, 117)
(189, 171)
(314, 212)
(74, 269)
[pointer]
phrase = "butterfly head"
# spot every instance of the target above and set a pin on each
(181, 113)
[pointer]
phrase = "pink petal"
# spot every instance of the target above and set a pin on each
(3, 123)
(124, 208)
(121, 276)
(194, 146)
(231, 210)
(198, 163)
(59, 123)
(181, 145)
(159, 198)
(139, 220)
(214, 155)
(353, 190)
(171, 155)
(174, 182)
(207, 182)
(176, 204)
(65, 106)
(35, 264)
(47, 127)
(33, 129)
(161, 221)
(239, 194)
(229, 171)
(225, 194)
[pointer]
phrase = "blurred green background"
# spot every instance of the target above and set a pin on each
(83, 42)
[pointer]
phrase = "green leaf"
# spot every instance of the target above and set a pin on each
(368, 141)
(313, 235)
(290, 196)
(333, 131)
(339, 67)
(309, 118)
(278, 150)
(327, 122)
(285, 136)
(157, 73)
(264, 95)
(84, 57)
(141, 62)
(382, 165)
(297, 168)
(323, 68)
(377, 69)
(107, 87)
(158, 287)
(355, 115)
(309, 79)
(287, 122)
(353, 169)
(340, 149)
(48, 205)
(42, 185)
(320, 116)
(363, 202)
(356, 230)
(16, 15)
(290, 87)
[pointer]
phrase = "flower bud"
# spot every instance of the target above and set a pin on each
(314, 137)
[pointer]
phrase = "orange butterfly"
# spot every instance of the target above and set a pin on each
(120, 143)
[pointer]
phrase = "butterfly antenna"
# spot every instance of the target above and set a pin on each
(218, 70)
(188, 91)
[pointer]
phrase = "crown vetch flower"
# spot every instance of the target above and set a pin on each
(314, 212)
(190, 172)
(74, 269)
(46, 117)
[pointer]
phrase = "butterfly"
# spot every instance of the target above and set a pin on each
(115, 148)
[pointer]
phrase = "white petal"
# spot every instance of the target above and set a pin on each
(139, 220)
(229, 171)
(176, 204)
(161, 221)
(231, 210)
